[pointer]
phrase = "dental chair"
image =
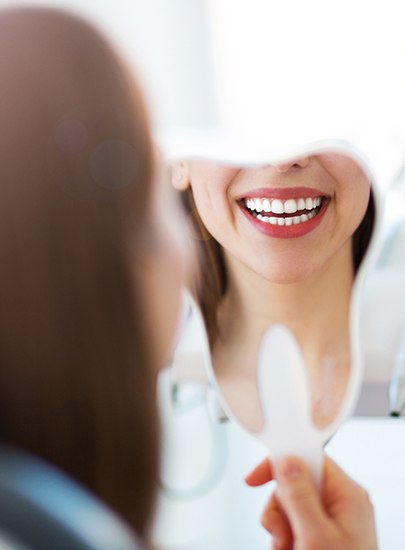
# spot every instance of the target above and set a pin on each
(43, 509)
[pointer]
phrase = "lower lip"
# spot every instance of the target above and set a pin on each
(287, 231)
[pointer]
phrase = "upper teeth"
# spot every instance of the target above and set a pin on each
(277, 206)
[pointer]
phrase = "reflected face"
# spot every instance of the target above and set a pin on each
(285, 222)
(286, 233)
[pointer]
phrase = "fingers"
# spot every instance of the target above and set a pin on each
(339, 488)
(299, 497)
(273, 518)
(336, 480)
(276, 523)
(260, 475)
(296, 515)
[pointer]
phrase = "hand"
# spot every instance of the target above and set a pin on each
(300, 519)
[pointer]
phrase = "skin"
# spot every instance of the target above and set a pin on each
(298, 517)
(217, 188)
(303, 282)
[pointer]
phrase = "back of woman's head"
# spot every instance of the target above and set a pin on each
(76, 162)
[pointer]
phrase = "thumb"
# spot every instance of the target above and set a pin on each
(299, 497)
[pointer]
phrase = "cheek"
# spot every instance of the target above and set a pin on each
(356, 204)
(206, 200)
(352, 188)
(210, 187)
(215, 213)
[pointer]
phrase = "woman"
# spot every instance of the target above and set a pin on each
(279, 243)
(85, 316)
(85, 319)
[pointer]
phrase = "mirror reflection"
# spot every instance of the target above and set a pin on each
(278, 243)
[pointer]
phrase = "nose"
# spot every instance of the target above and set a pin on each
(296, 163)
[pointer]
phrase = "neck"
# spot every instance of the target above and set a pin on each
(316, 309)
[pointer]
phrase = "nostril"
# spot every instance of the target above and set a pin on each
(293, 164)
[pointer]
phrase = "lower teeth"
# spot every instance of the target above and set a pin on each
(294, 220)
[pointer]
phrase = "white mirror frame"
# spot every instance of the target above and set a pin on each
(319, 436)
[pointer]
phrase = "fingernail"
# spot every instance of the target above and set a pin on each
(290, 468)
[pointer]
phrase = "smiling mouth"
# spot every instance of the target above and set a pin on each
(284, 212)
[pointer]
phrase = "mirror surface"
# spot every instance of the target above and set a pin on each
(279, 243)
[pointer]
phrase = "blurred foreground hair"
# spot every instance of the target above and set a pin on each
(76, 163)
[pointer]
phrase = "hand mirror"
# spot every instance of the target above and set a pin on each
(283, 251)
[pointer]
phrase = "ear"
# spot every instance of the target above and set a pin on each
(180, 176)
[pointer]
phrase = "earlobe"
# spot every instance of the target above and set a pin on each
(180, 176)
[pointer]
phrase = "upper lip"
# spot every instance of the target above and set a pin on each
(283, 193)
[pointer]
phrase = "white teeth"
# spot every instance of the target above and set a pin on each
(290, 206)
(277, 206)
(293, 220)
(258, 205)
(266, 205)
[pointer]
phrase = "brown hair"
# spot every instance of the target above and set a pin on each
(211, 279)
(362, 235)
(76, 162)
